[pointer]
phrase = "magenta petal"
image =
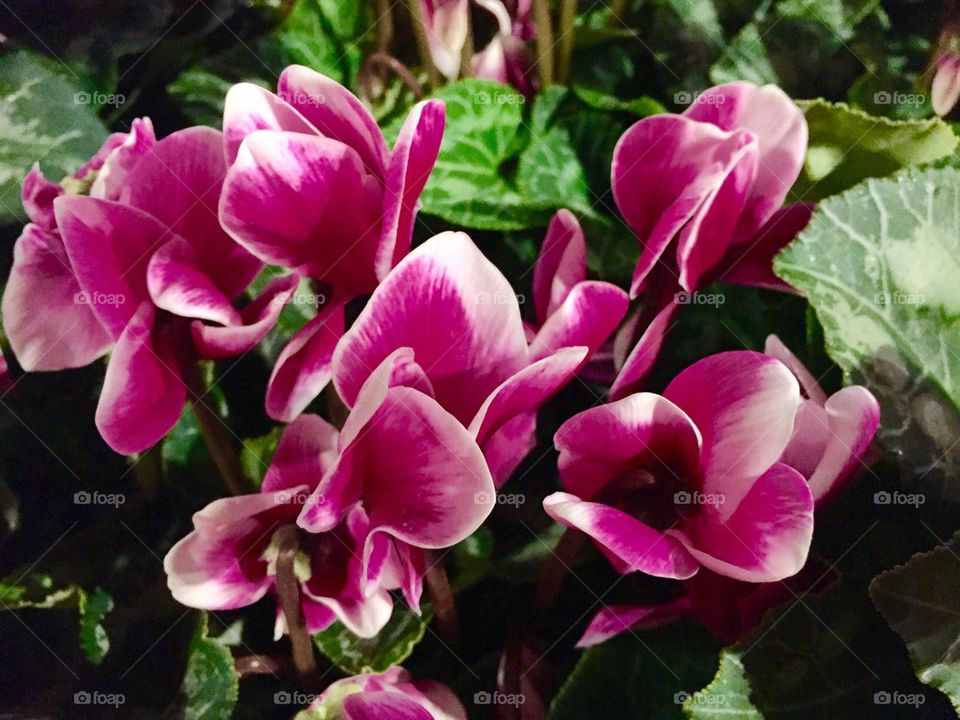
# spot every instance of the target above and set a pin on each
(249, 108)
(383, 705)
(600, 444)
(638, 546)
(767, 535)
(616, 619)
(179, 182)
(37, 197)
(258, 318)
(750, 262)
(664, 168)
(853, 416)
(945, 89)
(109, 246)
(781, 132)
(457, 312)
(305, 202)
(413, 158)
(67, 333)
(447, 25)
(304, 366)
(562, 264)
(113, 173)
(178, 283)
(306, 451)
(507, 447)
(809, 440)
(589, 314)
(332, 497)
(744, 404)
(774, 347)
(641, 359)
(143, 393)
(336, 113)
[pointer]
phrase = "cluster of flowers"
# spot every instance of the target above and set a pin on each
(714, 482)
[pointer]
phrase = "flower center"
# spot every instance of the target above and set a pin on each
(655, 493)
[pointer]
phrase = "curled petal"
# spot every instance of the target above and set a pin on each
(383, 705)
(179, 284)
(641, 359)
(616, 619)
(112, 175)
(562, 264)
(945, 90)
(249, 108)
(588, 315)
(37, 197)
(447, 23)
(307, 449)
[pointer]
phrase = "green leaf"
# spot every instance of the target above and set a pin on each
(295, 314)
(879, 264)
(183, 440)
(641, 107)
(847, 146)
(257, 454)
(727, 696)
(921, 601)
(43, 117)
(391, 646)
(200, 95)
(211, 684)
(93, 638)
(483, 131)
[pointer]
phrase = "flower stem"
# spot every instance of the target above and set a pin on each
(442, 598)
(466, 54)
(384, 25)
(568, 16)
(556, 568)
(544, 62)
(288, 589)
(423, 44)
(213, 430)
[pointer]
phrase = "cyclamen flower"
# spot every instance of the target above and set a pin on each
(458, 314)
(830, 438)
(945, 90)
(402, 476)
(313, 187)
(667, 484)
(68, 334)
(703, 192)
(390, 695)
(160, 275)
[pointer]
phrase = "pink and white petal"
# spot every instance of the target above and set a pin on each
(641, 430)
(304, 366)
(258, 318)
(853, 416)
(447, 22)
(112, 176)
(179, 182)
(744, 404)
(425, 481)
(109, 246)
(588, 315)
(306, 203)
(664, 168)
(317, 616)
(336, 113)
(440, 700)
(750, 262)
(638, 546)
(306, 451)
(332, 498)
(364, 617)
(412, 565)
(561, 265)
(414, 155)
(37, 195)
(248, 108)
(809, 440)
(774, 347)
(509, 445)
(457, 312)
(526, 391)
(383, 705)
(66, 334)
(143, 393)
(178, 283)
(767, 536)
(613, 620)
(781, 132)
(945, 89)
(641, 359)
